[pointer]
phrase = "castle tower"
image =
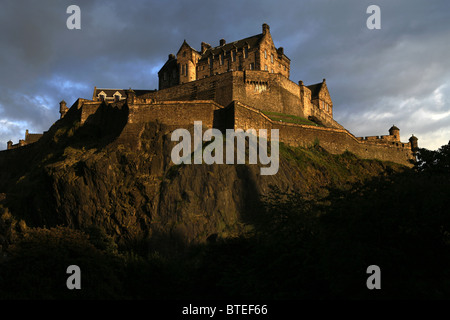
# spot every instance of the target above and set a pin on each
(187, 58)
(414, 144)
(394, 132)
(63, 108)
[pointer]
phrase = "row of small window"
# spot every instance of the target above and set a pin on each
(233, 57)
(102, 97)
(265, 56)
(183, 72)
(251, 67)
(266, 68)
(272, 59)
(325, 106)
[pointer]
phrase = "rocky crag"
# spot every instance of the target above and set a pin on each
(80, 175)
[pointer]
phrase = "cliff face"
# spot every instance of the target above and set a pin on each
(83, 175)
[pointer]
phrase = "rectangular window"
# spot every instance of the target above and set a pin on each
(221, 59)
(245, 52)
(271, 58)
(271, 71)
(252, 66)
(211, 63)
(265, 54)
(182, 69)
(265, 67)
(186, 70)
(233, 56)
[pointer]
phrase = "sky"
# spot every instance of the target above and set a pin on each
(396, 75)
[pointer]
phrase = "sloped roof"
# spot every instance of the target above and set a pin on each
(123, 92)
(186, 44)
(109, 92)
(168, 63)
(252, 41)
(393, 128)
(315, 89)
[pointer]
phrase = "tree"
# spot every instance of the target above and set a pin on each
(431, 160)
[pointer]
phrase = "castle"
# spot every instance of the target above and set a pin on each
(242, 84)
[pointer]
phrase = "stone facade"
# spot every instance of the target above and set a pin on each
(260, 89)
(253, 53)
(182, 114)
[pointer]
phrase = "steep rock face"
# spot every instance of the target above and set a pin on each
(84, 175)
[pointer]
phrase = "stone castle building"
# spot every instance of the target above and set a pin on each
(241, 84)
(253, 53)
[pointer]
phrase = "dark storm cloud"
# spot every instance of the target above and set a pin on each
(397, 75)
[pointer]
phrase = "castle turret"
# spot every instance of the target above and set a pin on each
(9, 144)
(414, 145)
(63, 108)
(395, 133)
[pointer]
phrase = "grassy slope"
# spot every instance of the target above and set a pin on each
(276, 116)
